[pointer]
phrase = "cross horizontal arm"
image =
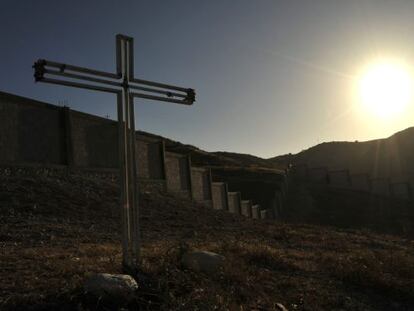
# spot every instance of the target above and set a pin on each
(102, 82)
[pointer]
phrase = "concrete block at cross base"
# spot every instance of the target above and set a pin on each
(402, 190)
(360, 182)
(256, 211)
(246, 208)
(219, 190)
(380, 186)
(340, 178)
(201, 184)
(264, 214)
(234, 202)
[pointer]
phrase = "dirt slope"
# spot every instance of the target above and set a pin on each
(57, 229)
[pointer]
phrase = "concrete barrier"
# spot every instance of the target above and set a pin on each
(381, 186)
(234, 201)
(246, 208)
(339, 178)
(220, 198)
(256, 211)
(401, 190)
(360, 182)
(264, 214)
(201, 185)
(150, 157)
(178, 173)
(278, 203)
(318, 175)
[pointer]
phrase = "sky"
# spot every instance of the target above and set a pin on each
(271, 77)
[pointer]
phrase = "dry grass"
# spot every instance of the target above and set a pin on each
(48, 250)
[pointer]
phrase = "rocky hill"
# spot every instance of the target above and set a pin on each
(389, 157)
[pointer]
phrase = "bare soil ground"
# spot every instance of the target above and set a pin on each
(54, 231)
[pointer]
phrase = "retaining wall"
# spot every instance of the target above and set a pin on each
(401, 190)
(150, 158)
(201, 184)
(31, 132)
(34, 132)
(246, 208)
(318, 175)
(219, 193)
(380, 186)
(234, 202)
(340, 178)
(360, 182)
(256, 211)
(178, 173)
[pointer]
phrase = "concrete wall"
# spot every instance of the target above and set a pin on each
(318, 175)
(256, 211)
(150, 158)
(277, 204)
(234, 201)
(246, 208)
(360, 182)
(401, 190)
(178, 175)
(300, 171)
(219, 192)
(94, 141)
(264, 214)
(201, 184)
(340, 178)
(31, 132)
(380, 186)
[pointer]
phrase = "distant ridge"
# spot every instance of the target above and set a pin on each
(391, 157)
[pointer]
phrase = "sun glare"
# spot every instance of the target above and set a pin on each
(386, 89)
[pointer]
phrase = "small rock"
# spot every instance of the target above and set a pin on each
(203, 261)
(111, 286)
(281, 307)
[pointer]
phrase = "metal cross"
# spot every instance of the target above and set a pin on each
(126, 87)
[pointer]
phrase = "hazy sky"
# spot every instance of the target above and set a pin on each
(271, 77)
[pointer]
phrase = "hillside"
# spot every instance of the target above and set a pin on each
(200, 157)
(56, 229)
(389, 157)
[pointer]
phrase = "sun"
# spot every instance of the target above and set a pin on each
(386, 88)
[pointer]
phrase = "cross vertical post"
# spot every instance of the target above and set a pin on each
(126, 87)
